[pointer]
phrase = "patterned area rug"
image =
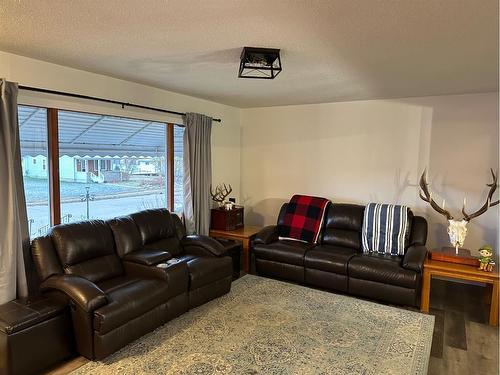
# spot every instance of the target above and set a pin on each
(265, 326)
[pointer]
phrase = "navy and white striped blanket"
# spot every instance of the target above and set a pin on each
(384, 228)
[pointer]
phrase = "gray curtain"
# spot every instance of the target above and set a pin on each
(197, 172)
(14, 237)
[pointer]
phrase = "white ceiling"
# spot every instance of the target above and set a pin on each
(332, 50)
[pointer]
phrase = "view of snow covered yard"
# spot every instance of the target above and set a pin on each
(108, 166)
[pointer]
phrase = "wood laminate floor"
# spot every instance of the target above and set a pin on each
(463, 342)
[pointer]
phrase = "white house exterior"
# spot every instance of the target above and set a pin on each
(93, 169)
(35, 166)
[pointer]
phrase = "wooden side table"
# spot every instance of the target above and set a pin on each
(244, 234)
(462, 272)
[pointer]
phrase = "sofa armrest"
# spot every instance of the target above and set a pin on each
(267, 235)
(148, 257)
(82, 292)
(208, 244)
(414, 258)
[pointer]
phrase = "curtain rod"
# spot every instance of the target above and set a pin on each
(123, 104)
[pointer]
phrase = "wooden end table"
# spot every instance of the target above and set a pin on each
(462, 272)
(244, 234)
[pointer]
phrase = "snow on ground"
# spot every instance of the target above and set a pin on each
(111, 200)
(37, 189)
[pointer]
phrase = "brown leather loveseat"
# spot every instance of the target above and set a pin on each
(108, 272)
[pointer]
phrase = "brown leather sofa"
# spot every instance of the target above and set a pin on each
(337, 263)
(108, 273)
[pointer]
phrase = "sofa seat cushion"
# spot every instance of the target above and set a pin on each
(382, 268)
(110, 285)
(283, 251)
(206, 270)
(329, 258)
(129, 299)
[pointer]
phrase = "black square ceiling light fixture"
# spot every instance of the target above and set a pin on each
(262, 63)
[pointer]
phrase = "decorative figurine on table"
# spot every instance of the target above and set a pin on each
(485, 261)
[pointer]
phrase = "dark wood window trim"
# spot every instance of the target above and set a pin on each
(53, 150)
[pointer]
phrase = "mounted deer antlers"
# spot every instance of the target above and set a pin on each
(457, 229)
(427, 196)
(488, 203)
(221, 193)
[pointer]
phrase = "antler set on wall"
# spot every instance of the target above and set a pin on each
(488, 203)
(221, 193)
(427, 196)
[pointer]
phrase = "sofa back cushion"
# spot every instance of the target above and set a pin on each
(45, 258)
(418, 235)
(180, 229)
(87, 249)
(343, 225)
(126, 234)
(282, 214)
(157, 230)
(154, 224)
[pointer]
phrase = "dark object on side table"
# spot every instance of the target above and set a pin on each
(222, 219)
(337, 261)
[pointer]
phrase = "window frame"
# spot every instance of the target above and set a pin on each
(53, 160)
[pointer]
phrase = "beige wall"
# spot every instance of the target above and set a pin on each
(350, 152)
(225, 136)
(374, 151)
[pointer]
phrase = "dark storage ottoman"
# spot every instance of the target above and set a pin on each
(34, 335)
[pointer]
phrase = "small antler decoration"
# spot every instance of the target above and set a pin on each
(221, 193)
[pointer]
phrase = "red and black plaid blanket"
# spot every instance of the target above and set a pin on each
(303, 218)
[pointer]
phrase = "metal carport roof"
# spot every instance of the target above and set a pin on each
(95, 135)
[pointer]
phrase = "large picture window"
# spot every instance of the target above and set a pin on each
(34, 152)
(108, 166)
(120, 165)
